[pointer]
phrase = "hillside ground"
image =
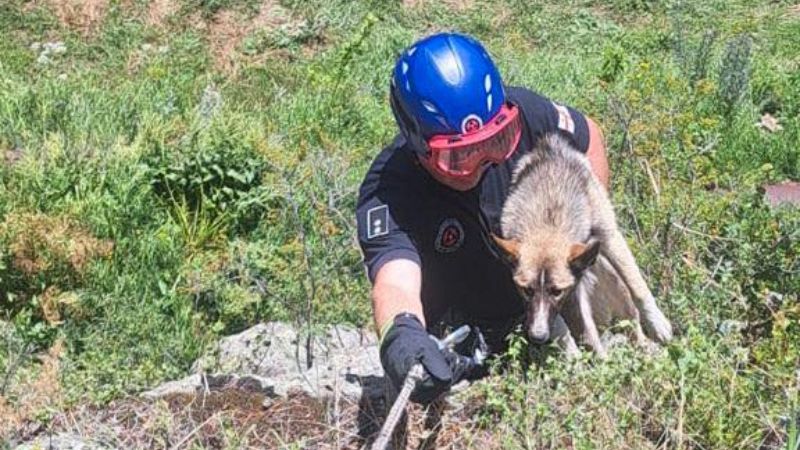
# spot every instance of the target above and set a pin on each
(173, 171)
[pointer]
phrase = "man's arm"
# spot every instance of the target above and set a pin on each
(597, 153)
(396, 289)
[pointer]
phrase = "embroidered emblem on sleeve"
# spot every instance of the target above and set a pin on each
(377, 221)
(565, 121)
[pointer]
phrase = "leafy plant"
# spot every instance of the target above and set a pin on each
(211, 181)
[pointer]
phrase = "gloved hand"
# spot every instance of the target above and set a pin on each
(407, 343)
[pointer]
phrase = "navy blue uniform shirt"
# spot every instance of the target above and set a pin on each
(404, 213)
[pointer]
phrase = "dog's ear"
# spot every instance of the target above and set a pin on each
(582, 256)
(508, 246)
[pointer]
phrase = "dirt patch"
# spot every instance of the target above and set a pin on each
(227, 29)
(158, 11)
(237, 418)
(82, 15)
(787, 193)
(225, 34)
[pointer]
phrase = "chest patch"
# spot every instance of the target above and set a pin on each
(450, 236)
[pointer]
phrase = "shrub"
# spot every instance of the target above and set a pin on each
(210, 181)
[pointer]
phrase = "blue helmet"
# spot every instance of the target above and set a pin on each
(443, 84)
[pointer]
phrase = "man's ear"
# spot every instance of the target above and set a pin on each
(509, 247)
(582, 256)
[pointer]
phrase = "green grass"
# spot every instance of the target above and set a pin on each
(228, 192)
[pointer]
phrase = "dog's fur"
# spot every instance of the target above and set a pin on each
(569, 257)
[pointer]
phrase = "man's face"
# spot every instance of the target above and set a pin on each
(459, 160)
(464, 183)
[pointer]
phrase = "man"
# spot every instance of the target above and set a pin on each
(431, 199)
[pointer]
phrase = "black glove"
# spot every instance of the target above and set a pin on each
(407, 343)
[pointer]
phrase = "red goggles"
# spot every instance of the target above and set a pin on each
(461, 155)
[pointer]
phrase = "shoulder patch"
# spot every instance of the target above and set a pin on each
(377, 221)
(565, 121)
(450, 236)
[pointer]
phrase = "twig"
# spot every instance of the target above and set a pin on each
(653, 181)
(194, 431)
(700, 233)
(681, 407)
(336, 411)
(301, 232)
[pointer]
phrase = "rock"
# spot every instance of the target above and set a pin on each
(193, 383)
(272, 358)
(728, 327)
(61, 441)
(769, 123)
(55, 47)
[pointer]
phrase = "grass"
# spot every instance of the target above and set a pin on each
(185, 169)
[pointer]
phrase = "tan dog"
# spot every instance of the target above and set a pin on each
(569, 256)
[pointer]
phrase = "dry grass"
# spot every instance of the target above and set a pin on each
(55, 248)
(237, 418)
(158, 11)
(227, 29)
(82, 15)
(38, 242)
(23, 401)
(54, 302)
(11, 157)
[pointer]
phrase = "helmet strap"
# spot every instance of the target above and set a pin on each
(408, 125)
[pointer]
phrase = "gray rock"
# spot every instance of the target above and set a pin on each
(208, 382)
(272, 356)
(62, 441)
(728, 327)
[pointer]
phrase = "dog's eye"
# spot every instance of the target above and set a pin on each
(526, 291)
(555, 292)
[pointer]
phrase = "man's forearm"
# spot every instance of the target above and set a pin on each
(388, 302)
(396, 290)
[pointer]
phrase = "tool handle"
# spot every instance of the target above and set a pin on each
(414, 376)
(399, 407)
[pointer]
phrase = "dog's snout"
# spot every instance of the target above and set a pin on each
(539, 340)
(538, 336)
(539, 326)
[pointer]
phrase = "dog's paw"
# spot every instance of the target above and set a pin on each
(657, 325)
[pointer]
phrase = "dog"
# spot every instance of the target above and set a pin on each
(570, 262)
